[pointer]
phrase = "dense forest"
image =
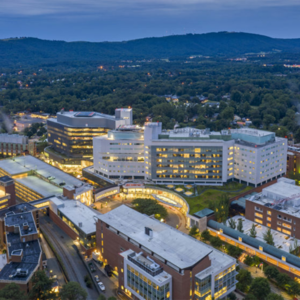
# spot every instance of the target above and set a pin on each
(267, 94)
(32, 51)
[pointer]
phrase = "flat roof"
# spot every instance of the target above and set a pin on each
(5, 179)
(252, 132)
(281, 240)
(16, 209)
(86, 114)
(19, 220)
(78, 212)
(283, 189)
(40, 186)
(204, 213)
(176, 247)
(24, 164)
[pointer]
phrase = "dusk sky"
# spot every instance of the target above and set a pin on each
(117, 20)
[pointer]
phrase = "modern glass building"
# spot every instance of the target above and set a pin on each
(70, 135)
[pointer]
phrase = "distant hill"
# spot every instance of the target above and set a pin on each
(32, 51)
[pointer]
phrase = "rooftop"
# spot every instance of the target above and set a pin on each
(27, 163)
(204, 213)
(20, 220)
(5, 179)
(78, 213)
(16, 209)
(40, 186)
(167, 242)
(283, 196)
(282, 241)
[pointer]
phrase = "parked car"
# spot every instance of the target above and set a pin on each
(101, 286)
(108, 270)
(97, 278)
(92, 267)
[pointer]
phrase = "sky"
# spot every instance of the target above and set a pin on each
(119, 20)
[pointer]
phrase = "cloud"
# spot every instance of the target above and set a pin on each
(95, 7)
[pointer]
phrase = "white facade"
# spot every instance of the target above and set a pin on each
(259, 161)
(188, 155)
(120, 154)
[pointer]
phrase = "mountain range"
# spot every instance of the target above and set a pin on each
(34, 51)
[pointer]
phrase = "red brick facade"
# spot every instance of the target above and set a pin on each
(111, 245)
(270, 218)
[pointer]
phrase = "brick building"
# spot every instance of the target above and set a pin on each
(19, 229)
(7, 192)
(293, 160)
(156, 261)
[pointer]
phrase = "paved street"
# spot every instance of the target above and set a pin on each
(53, 267)
(65, 247)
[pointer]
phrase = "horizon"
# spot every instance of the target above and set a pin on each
(145, 37)
(116, 20)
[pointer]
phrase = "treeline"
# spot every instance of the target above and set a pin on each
(267, 95)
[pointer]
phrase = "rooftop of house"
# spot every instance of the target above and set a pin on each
(167, 242)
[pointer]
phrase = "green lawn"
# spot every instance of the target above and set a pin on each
(202, 201)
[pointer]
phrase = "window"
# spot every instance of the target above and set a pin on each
(287, 225)
(258, 221)
(269, 219)
(258, 215)
(269, 213)
(258, 208)
(268, 224)
(286, 231)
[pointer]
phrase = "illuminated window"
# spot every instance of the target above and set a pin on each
(258, 221)
(269, 219)
(286, 231)
(269, 213)
(258, 215)
(268, 224)
(278, 228)
(261, 248)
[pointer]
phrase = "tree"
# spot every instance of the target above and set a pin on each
(215, 241)
(240, 226)
(293, 288)
(101, 297)
(221, 208)
(232, 223)
(244, 280)
(273, 296)
(283, 279)
(73, 291)
(234, 251)
(253, 232)
(150, 207)
(268, 237)
(248, 260)
(250, 297)
(194, 231)
(112, 298)
(41, 286)
(232, 296)
(271, 272)
(260, 288)
(205, 235)
(12, 291)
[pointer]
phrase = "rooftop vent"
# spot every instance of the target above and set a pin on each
(149, 231)
(80, 224)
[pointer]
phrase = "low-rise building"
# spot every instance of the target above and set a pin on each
(15, 144)
(19, 228)
(7, 192)
(277, 207)
(35, 179)
(156, 261)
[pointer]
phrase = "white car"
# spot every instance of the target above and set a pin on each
(101, 286)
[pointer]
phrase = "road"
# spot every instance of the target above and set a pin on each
(66, 249)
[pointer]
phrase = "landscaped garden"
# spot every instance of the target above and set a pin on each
(207, 194)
